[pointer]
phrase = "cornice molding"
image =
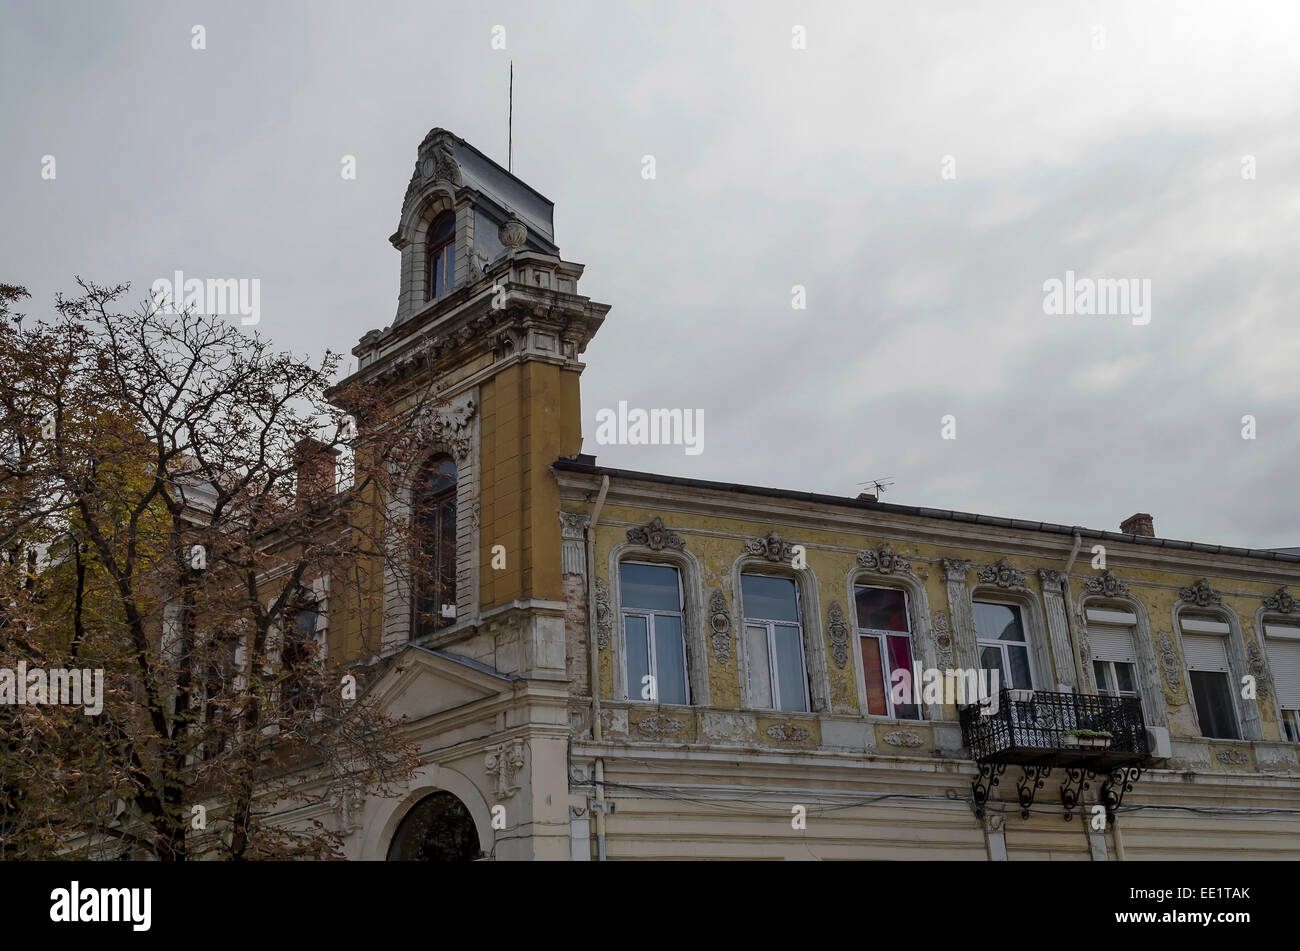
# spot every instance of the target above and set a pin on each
(800, 516)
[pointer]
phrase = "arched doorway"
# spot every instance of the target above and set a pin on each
(437, 829)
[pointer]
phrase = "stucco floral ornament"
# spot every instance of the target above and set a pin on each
(787, 732)
(772, 547)
(720, 626)
(1258, 669)
(604, 614)
(1169, 666)
(838, 629)
(1107, 585)
(883, 560)
(1003, 574)
(1282, 602)
(441, 425)
(1200, 594)
(655, 536)
(942, 635)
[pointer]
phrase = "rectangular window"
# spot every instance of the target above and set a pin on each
(778, 679)
(1114, 659)
(1283, 642)
(654, 642)
(885, 639)
(1211, 676)
(1003, 643)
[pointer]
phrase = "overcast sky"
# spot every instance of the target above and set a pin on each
(821, 167)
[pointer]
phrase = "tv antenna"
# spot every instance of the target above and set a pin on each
(510, 123)
(878, 485)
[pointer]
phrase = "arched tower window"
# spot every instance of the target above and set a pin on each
(440, 260)
(435, 532)
(298, 652)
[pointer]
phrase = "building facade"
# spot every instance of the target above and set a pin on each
(629, 665)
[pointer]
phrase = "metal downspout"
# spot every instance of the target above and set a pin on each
(597, 733)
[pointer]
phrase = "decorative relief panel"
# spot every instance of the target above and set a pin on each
(787, 732)
(502, 762)
(604, 615)
(1169, 665)
(1050, 579)
(1232, 757)
(445, 425)
(655, 536)
(904, 738)
(883, 560)
(660, 725)
(727, 727)
(719, 626)
(1003, 574)
(942, 636)
(838, 630)
(1258, 669)
(1276, 758)
(772, 547)
(1107, 585)
(1200, 594)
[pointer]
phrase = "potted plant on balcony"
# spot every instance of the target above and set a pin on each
(1094, 739)
(1022, 696)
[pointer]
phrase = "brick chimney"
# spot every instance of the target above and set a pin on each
(317, 475)
(1139, 524)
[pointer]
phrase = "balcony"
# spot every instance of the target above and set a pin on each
(1045, 731)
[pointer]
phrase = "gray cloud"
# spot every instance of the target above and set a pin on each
(776, 167)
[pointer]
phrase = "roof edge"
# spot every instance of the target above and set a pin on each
(578, 464)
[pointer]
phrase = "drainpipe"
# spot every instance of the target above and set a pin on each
(1069, 611)
(597, 733)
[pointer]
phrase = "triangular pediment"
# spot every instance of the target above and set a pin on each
(421, 683)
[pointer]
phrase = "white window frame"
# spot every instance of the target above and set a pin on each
(1276, 629)
(651, 640)
(879, 635)
(1222, 630)
(770, 625)
(1001, 645)
(1113, 618)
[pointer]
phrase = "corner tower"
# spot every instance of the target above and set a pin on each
(489, 319)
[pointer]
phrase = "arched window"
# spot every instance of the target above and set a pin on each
(299, 652)
(778, 676)
(1282, 642)
(1004, 643)
(1205, 638)
(653, 610)
(440, 259)
(885, 638)
(435, 532)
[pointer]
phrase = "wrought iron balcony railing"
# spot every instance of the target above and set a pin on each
(1040, 728)
(1047, 730)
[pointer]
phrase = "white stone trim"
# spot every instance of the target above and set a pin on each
(918, 608)
(814, 644)
(693, 617)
